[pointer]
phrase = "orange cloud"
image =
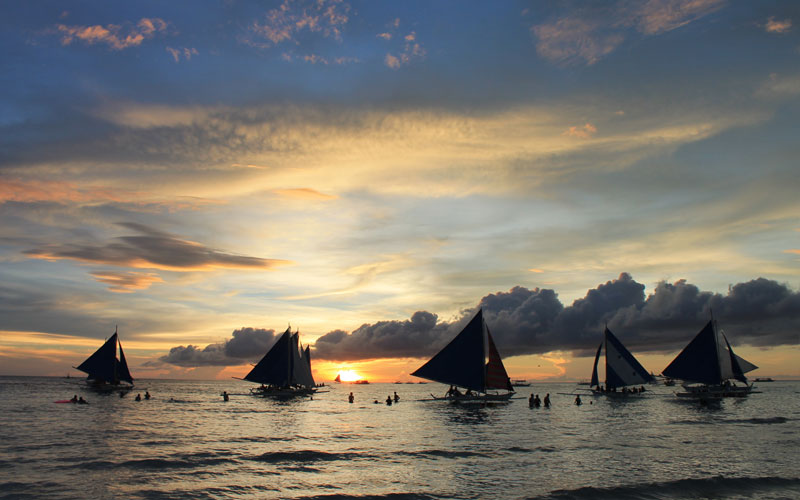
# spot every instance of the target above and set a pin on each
(32, 191)
(792, 250)
(775, 26)
(304, 194)
(126, 282)
(115, 36)
(583, 132)
(283, 23)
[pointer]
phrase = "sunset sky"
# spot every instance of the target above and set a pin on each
(204, 174)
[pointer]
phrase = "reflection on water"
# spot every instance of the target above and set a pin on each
(187, 442)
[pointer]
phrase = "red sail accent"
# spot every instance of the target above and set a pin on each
(496, 375)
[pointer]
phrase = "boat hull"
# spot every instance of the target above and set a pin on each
(475, 398)
(283, 392)
(715, 391)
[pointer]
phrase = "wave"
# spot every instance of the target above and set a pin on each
(754, 421)
(713, 487)
(545, 449)
(304, 456)
(186, 461)
(442, 454)
(387, 496)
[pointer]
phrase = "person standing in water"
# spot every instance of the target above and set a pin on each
(547, 400)
(578, 400)
(225, 396)
(351, 398)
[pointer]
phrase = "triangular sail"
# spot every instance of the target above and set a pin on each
(461, 362)
(745, 365)
(595, 380)
(698, 361)
(736, 370)
(123, 373)
(274, 368)
(496, 375)
(308, 377)
(102, 365)
(708, 359)
(301, 365)
(622, 368)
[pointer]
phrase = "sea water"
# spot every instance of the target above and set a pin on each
(186, 442)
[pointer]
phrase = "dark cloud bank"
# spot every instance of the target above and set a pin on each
(760, 313)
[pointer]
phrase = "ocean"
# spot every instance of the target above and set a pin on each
(186, 442)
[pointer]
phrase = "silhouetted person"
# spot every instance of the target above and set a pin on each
(146, 395)
(396, 397)
(122, 394)
(74, 399)
(82, 401)
(225, 396)
(351, 398)
(138, 397)
(547, 400)
(578, 400)
(389, 400)
(530, 401)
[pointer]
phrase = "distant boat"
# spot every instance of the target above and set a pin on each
(285, 370)
(520, 383)
(105, 371)
(622, 368)
(709, 368)
(462, 364)
(765, 379)
(359, 381)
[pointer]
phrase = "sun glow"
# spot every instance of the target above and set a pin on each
(348, 376)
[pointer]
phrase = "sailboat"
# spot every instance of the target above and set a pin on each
(709, 368)
(462, 363)
(105, 371)
(285, 370)
(622, 369)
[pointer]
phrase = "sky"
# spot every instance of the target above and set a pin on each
(199, 176)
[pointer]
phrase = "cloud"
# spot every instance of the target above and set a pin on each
(115, 36)
(569, 40)
(246, 344)
(152, 249)
(185, 52)
(583, 132)
(306, 194)
(411, 50)
(775, 26)
(760, 312)
(285, 23)
(658, 16)
(593, 33)
(126, 282)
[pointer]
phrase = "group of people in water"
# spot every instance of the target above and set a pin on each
(624, 390)
(535, 402)
(78, 400)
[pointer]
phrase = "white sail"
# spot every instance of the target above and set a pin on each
(616, 361)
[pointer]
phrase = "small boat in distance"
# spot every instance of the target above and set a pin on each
(709, 368)
(765, 379)
(462, 363)
(105, 371)
(622, 369)
(285, 370)
(520, 383)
